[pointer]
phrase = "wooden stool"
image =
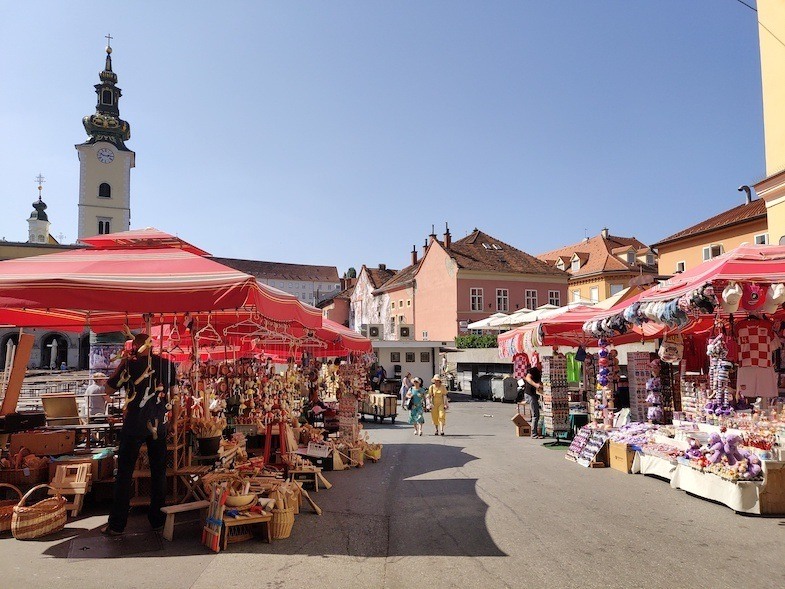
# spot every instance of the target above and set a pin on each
(238, 529)
(310, 476)
(172, 510)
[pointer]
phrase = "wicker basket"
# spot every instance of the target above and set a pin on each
(282, 523)
(34, 521)
(7, 508)
(25, 476)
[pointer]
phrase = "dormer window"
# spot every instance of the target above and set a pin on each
(631, 258)
(575, 264)
(560, 264)
(486, 246)
(496, 246)
(107, 98)
(650, 259)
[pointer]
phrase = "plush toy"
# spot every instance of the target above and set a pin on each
(694, 451)
(754, 466)
(715, 448)
(732, 449)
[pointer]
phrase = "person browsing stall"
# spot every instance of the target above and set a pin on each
(532, 388)
(148, 380)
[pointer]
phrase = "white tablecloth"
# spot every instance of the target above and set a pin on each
(742, 496)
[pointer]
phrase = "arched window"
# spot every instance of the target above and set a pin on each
(104, 190)
(106, 97)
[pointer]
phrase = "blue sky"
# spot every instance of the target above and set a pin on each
(338, 132)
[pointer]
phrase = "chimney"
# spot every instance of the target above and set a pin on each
(748, 192)
(432, 236)
(414, 255)
(447, 236)
(382, 266)
(604, 233)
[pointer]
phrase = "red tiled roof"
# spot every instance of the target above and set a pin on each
(597, 254)
(379, 276)
(402, 278)
(740, 214)
(480, 251)
(282, 271)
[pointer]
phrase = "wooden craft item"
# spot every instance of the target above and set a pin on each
(18, 371)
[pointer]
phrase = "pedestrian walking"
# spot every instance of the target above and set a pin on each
(437, 393)
(532, 387)
(406, 384)
(415, 396)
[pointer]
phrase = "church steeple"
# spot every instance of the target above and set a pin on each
(106, 124)
(38, 230)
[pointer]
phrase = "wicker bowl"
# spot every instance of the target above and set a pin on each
(238, 501)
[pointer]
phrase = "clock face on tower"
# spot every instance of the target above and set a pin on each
(105, 155)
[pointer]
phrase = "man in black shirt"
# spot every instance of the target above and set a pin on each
(148, 380)
(532, 389)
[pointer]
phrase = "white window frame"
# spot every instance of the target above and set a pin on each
(502, 300)
(107, 221)
(408, 302)
(616, 288)
(554, 298)
(594, 294)
(392, 305)
(650, 259)
(560, 264)
(764, 241)
(575, 265)
(631, 258)
(576, 296)
(681, 266)
(530, 299)
(476, 298)
(708, 251)
(425, 336)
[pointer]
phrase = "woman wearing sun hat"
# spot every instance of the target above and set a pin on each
(437, 393)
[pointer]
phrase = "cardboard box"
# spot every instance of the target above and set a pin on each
(44, 442)
(522, 427)
(621, 456)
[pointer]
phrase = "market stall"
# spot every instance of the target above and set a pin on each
(706, 411)
(226, 328)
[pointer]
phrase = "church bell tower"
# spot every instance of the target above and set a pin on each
(105, 162)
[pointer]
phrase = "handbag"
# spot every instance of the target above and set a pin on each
(407, 404)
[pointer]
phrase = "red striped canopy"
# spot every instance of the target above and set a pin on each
(103, 287)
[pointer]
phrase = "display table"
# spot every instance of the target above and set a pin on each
(653, 465)
(766, 497)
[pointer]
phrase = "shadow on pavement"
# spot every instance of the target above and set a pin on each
(408, 504)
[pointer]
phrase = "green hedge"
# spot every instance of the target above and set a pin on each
(476, 341)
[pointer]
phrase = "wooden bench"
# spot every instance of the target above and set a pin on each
(172, 510)
(239, 529)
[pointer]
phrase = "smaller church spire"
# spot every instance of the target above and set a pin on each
(38, 223)
(39, 205)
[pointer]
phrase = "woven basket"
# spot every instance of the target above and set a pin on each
(17, 476)
(374, 453)
(7, 508)
(282, 523)
(34, 521)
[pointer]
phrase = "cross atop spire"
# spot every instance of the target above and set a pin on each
(109, 38)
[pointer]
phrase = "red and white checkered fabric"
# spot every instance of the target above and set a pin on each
(520, 365)
(757, 342)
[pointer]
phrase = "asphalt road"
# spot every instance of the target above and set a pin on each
(475, 508)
